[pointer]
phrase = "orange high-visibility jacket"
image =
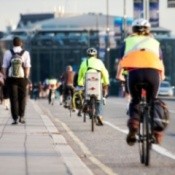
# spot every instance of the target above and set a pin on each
(141, 52)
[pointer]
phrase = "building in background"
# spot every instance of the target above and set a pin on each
(56, 41)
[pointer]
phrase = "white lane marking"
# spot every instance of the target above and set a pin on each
(86, 151)
(125, 131)
(172, 111)
(157, 148)
(71, 159)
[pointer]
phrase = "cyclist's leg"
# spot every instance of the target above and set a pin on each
(134, 78)
(99, 111)
(65, 94)
(152, 90)
(49, 96)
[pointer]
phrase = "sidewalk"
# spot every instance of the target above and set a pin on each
(36, 147)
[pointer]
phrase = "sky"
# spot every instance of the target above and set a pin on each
(11, 9)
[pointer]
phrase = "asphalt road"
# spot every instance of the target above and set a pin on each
(105, 151)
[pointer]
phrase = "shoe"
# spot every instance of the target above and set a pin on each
(158, 137)
(22, 120)
(14, 123)
(131, 138)
(99, 120)
(79, 114)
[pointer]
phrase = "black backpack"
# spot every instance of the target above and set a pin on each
(160, 115)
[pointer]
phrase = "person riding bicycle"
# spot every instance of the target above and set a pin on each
(142, 57)
(68, 82)
(93, 64)
(52, 88)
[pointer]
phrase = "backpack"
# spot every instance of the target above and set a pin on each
(16, 68)
(160, 115)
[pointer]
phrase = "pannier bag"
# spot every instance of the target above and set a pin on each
(160, 115)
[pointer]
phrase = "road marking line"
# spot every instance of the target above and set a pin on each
(156, 148)
(86, 151)
(75, 165)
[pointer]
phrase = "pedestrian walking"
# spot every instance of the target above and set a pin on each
(16, 68)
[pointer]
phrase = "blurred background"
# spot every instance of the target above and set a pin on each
(58, 32)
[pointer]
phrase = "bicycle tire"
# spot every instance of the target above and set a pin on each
(141, 145)
(92, 102)
(70, 106)
(146, 139)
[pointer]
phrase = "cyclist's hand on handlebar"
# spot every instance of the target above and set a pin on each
(105, 91)
(79, 88)
(120, 78)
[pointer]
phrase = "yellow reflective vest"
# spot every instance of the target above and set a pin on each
(94, 64)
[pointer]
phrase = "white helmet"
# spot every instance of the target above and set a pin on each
(141, 23)
(91, 51)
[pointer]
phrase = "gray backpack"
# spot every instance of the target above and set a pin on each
(16, 68)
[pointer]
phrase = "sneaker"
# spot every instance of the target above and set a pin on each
(22, 120)
(14, 123)
(99, 120)
(131, 138)
(79, 114)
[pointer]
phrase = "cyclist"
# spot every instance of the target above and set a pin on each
(141, 56)
(68, 82)
(52, 89)
(91, 64)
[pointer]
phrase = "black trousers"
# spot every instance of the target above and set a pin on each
(137, 76)
(17, 92)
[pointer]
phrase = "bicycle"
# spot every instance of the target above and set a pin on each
(145, 134)
(78, 99)
(68, 99)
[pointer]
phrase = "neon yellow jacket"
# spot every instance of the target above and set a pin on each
(95, 64)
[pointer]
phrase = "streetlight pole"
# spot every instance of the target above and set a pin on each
(124, 19)
(107, 36)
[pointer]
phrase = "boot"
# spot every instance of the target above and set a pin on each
(133, 125)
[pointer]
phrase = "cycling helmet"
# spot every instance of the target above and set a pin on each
(92, 51)
(140, 25)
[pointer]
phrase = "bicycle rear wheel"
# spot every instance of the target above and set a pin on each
(145, 144)
(92, 115)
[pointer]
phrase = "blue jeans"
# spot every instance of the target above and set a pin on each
(99, 108)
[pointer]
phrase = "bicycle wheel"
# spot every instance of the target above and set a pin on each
(92, 102)
(141, 145)
(148, 139)
(70, 106)
(145, 143)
